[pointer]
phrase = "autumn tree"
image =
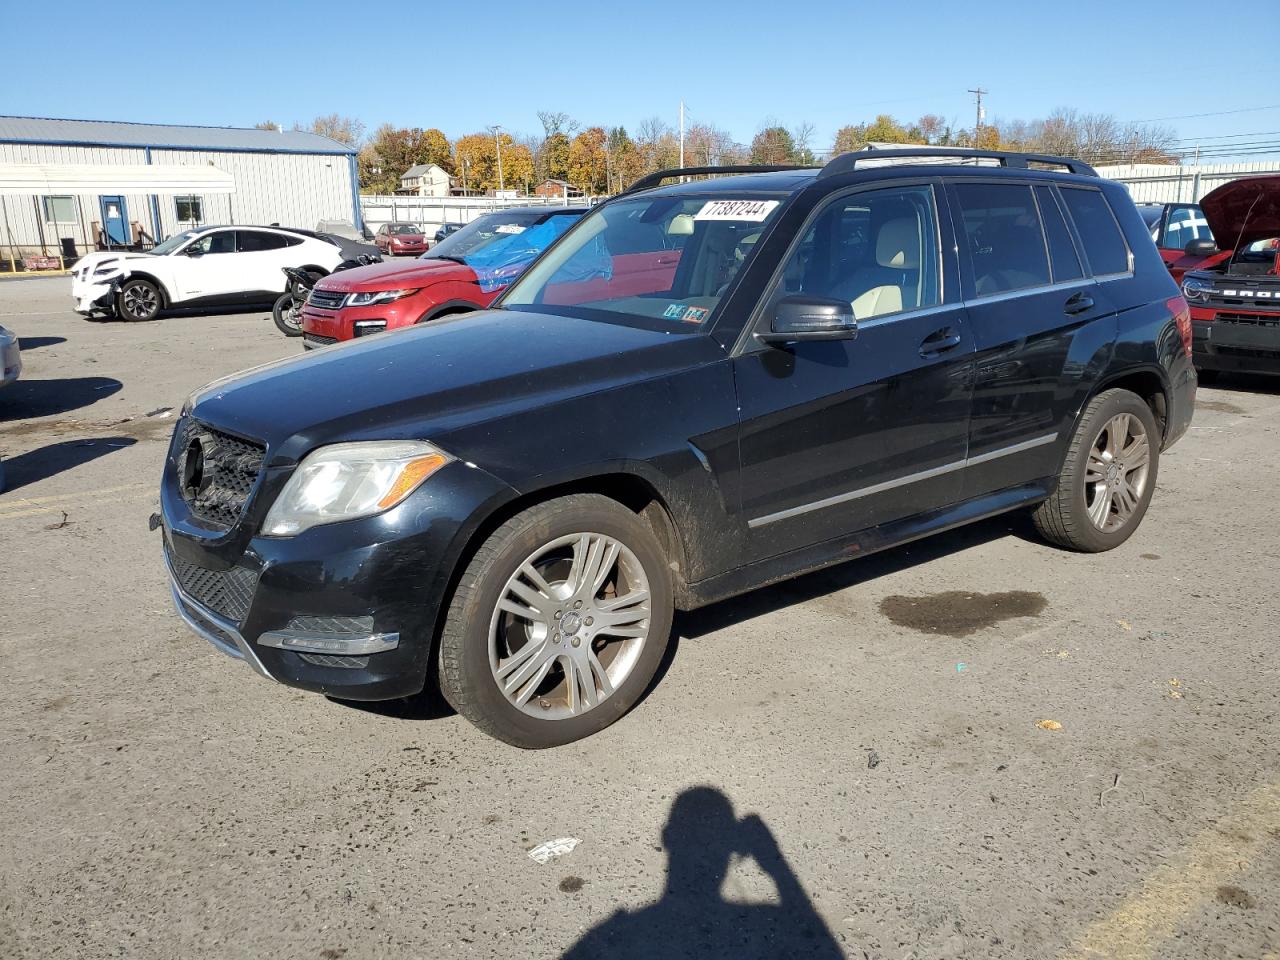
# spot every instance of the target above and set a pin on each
(588, 163)
(393, 150)
(476, 157)
(659, 148)
(623, 159)
(266, 125)
(555, 155)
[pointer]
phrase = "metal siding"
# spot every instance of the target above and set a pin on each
(297, 190)
(1159, 183)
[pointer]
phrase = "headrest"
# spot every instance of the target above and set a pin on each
(898, 244)
(681, 225)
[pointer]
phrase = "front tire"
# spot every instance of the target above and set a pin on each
(138, 300)
(1108, 477)
(558, 624)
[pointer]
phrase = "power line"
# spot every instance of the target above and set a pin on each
(1214, 113)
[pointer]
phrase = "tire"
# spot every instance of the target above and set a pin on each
(481, 642)
(286, 315)
(1105, 445)
(139, 300)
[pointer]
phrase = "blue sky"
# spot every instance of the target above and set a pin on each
(234, 63)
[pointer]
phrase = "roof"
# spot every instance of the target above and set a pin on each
(418, 169)
(116, 133)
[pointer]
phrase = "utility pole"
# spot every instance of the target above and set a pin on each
(497, 128)
(978, 94)
(682, 133)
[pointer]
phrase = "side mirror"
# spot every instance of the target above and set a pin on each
(811, 318)
(1200, 248)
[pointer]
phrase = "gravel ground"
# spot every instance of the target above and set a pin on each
(852, 764)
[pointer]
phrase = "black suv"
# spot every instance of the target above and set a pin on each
(703, 387)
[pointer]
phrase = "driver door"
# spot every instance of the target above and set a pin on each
(839, 436)
(206, 267)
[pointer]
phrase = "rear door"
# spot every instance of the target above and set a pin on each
(1035, 316)
(839, 436)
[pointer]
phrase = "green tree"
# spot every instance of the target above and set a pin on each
(773, 145)
(393, 150)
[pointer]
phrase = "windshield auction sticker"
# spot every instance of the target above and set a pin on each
(752, 211)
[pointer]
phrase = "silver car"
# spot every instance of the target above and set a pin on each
(10, 367)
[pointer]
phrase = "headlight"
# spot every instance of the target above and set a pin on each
(348, 480)
(380, 296)
(1194, 289)
(109, 268)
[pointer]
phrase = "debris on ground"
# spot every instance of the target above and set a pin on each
(1175, 688)
(1125, 624)
(961, 667)
(60, 524)
(1048, 725)
(159, 412)
(873, 760)
(550, 849)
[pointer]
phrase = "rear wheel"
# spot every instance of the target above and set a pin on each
(1108, 477)
(558, 624)
(138, 300)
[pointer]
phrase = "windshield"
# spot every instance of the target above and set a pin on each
(402, 228)
(669, 259)
(499, 246)
(173, 243)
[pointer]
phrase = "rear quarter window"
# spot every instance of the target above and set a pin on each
(1099, 231)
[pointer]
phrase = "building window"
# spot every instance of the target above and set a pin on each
(190, 209)
(60, 210)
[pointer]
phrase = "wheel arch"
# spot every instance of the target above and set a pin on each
(448, 308)
(166, 299)
(1150, 382)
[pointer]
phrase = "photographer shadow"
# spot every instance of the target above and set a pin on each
(692, 919)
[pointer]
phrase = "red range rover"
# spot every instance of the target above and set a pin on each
(1234, 294)
(464, 272)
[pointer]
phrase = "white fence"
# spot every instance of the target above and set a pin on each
(1160, 183)
(430, 213)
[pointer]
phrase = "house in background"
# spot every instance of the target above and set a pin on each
(425, 180)
(556, 188)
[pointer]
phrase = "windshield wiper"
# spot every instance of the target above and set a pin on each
(445, 256)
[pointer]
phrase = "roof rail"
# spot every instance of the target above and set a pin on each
(848, 162)
(654, 179)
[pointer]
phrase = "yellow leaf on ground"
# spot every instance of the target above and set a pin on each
(1048, 725)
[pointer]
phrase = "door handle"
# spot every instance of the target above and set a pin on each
(1078, 303)
(939, 342)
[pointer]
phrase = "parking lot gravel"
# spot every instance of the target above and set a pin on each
(975, 746)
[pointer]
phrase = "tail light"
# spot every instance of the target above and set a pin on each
(1182, 318)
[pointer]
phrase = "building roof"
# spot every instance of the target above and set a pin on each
(419, 169)
(116, 133)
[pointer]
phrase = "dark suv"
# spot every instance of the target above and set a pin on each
(701, 388)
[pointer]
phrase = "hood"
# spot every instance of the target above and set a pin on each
(100, 257)
(396, 275)
(1251, 204)
(426, 382)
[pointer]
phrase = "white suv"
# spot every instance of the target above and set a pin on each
(209, 265)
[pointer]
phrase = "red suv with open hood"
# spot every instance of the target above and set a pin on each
(1234, 294)
(464, 272)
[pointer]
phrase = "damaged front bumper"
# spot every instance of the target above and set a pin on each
(95, 295)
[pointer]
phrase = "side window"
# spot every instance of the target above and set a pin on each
(256, 241)
(1002, 229)
(877, 249)
(1184, 224)
(1063, 261)
(224, 241)
(1104, 245)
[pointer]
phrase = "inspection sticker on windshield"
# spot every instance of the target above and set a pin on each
(751, 210)
(509, 228)
(674, 312)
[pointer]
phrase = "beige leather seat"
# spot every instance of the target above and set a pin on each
(896, 277)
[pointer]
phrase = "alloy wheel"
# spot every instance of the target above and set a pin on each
(569, 626)
(1116, 476)
(140, 301)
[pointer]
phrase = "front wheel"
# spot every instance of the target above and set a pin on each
(1108, 477)
(558, 624)
(138, 300)
(287, 314)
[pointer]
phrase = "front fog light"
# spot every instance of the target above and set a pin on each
(365, 327)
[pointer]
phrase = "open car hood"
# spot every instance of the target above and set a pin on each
(1251, 205)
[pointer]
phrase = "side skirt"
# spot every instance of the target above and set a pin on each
(872, 540)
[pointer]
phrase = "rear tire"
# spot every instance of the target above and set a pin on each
(139, 300)
(542, 658)
(1107, 478)
(287, 315)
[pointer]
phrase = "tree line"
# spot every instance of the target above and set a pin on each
(603, 160)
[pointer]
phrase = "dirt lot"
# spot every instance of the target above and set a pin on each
(853, 764)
